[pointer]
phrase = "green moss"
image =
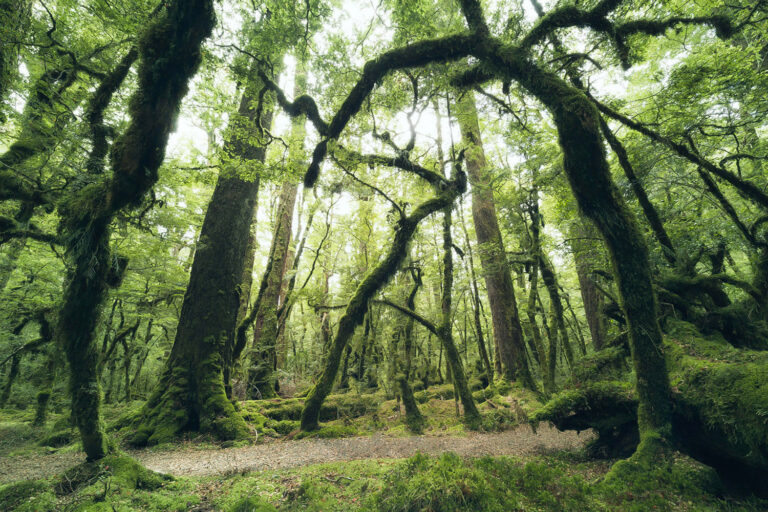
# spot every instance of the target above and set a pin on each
(334, 407)
(252, 504)
(120, 469)
(606, 364)
(167, 414)
(591, 398)
(442, 392)
(562, 483)
(57, 439)
(330, 432)
(16, 495)
(283, 427)
(724, 388)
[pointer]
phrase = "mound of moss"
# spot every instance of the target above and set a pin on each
(252, 504)
(121, 470)
(450, 483)
(346, 405)
(58, 439)
(26, 495)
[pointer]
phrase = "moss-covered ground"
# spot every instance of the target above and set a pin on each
(342, 415)
(562, 481)
(558, 482)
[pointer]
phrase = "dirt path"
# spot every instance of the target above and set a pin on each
(291, 454)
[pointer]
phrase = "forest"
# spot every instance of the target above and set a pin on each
(383, 255)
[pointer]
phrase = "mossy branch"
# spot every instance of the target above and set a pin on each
(415, 55)
(371, 284)
(597, 20)
(99, 102)
(401, 161)
(411, 314)
(651, 214)
(745, 188)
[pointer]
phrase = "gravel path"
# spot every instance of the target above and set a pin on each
(291, 454)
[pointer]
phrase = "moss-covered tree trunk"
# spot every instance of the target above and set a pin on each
(46, 387)
(445, 329)
(586, 254)
(262, 376)
(550, 281)
(413, 417)
(10, 378)
(263, 359)
(547, 372)
(578, 124)
(170, 52)
(507, 331)
(190, 394)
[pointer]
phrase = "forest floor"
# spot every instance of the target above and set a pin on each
(362, 459)
(520, 441)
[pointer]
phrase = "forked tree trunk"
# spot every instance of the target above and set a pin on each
(370, 285)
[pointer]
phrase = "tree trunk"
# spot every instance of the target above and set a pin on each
(262, 376)
(547, 371)
(13, 372)
(165, 70)
(190, 394)
(46, 388)
(507, 331)
(471, 414)
(578, 125)
(550, 281)
(413, 417)
(585, 253)
(263, 361)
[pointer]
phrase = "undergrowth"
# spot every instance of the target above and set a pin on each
(558, 482)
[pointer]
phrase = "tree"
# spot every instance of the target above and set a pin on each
(191, 395)
(507, 330)
(169, 56)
